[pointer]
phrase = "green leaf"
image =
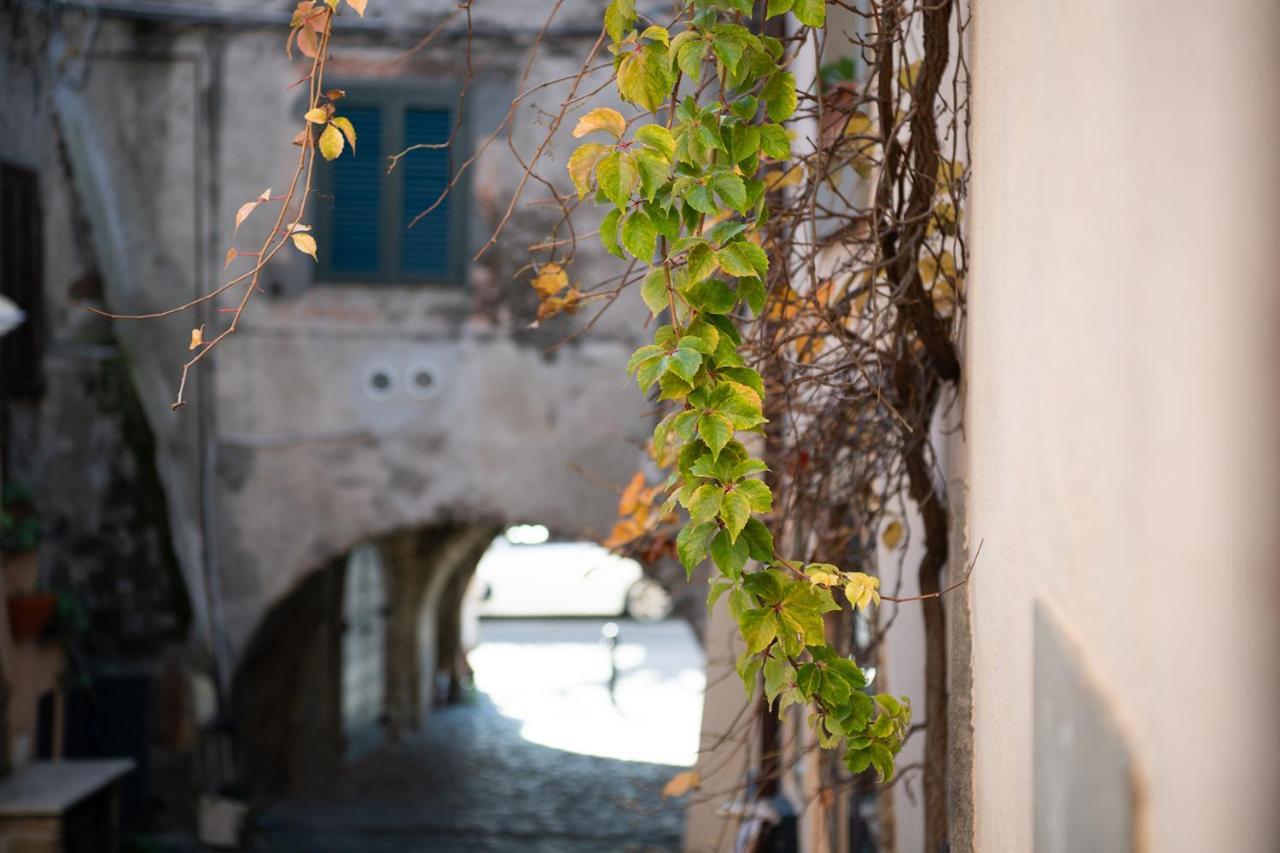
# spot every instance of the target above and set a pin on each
(689, 57)
(774, 142)
(759, 628)
(857, 760)
(699, 198)
(735, 509)
(778, 676)
(713, 296)
(808, 679)
(654, 171)
(670, 385)
(719, 587)
(748, 667)
(752, 290)
(692, 543)
(743, 259)
(699, 263)
(780, 96)
(728, 51)
(642, 355)
(653, 290)
(729, 556)
(684, 362)
(731, 189)
(746, 142)
(658, 138)
(710, 137)
(882, 760)
(619, 16)
(704, 505)
(618, 177)
(724, 231)
(759, 540)
(609, 232)
(745, 376)
(715, 430)
(740, 403)
(811, 13)
(765, 584)
(757, 494)
(639, 235)
(650, 371)
(778, 7)
(644, 77)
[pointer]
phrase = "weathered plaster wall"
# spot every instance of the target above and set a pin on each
(1121, 409)
(281, 461)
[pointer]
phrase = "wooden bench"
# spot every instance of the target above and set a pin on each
(62, 806)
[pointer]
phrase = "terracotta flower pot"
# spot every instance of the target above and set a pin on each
(29, 613)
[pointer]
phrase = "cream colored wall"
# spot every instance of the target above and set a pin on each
(1122, 368)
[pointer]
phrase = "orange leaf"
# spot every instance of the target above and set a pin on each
(681, 784)
(631, 494)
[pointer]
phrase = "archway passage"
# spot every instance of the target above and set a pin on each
(564, 737)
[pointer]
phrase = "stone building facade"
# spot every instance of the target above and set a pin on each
(409, 412)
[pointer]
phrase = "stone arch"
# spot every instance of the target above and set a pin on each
(288, 690)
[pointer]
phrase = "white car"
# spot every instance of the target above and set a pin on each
(523, 574)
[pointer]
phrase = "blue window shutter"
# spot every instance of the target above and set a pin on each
(355, 231)
(425, 249)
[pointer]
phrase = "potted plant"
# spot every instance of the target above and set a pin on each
(29, 610)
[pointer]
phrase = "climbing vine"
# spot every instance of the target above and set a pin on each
(687, 196)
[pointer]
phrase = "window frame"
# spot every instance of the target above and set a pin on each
(393, 98)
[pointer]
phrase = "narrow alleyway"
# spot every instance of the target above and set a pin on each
(539, 760)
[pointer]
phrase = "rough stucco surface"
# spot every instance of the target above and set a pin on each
(1121, 400)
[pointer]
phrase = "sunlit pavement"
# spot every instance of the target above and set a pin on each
(553, 677)
(541, 760)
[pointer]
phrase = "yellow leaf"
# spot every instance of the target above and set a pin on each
(551, 279)
(823, 574)
(197, 338)
(949, 171)
(858, 125)
(243, 213)
(319, 115)
(348, 130)
(778, 179)
(305, 243)
(231, 255)
(907, 76)
(581, 164)
(892, 536)
(681, 784)
(332, 4)
(862, 590)
(601, 118)
(330, 143)
(358, 5)
(944, 297)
